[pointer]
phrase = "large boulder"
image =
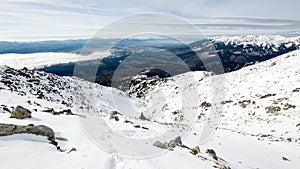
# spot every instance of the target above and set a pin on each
(41, 130)
(10, 129)
(20, 113)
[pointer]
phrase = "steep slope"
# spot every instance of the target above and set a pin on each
(255, 110)
(45, 95)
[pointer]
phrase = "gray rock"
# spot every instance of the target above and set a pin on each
(205, 105)
(212, 153)
(178, 141)
(7, 129)
(49, 110)
(6, 109)
(114, 115)
(175, 142)
(267, 95)
(73, 149)
(67, 112)
(171, 145)
(20, 113)
(10, 129)
(41, 130)
(160, 145)
(142, 117)
(273, 109)
(285, 159)
(195, 150)
(52, 111)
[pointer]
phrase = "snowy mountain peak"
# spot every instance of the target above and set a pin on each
(258, 40)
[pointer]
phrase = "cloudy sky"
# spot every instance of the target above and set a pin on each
(67, 19)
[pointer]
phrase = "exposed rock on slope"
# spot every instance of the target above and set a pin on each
(20, 113)
(43, 85)
(41, 130)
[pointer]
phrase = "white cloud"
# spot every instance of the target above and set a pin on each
(77, 18)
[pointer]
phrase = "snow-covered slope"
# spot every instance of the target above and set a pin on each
(250, 118)
(41, 92)
(255, 110)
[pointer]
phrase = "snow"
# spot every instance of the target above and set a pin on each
(241, 130)
(261, 40)
(38, 60)
(238, 140)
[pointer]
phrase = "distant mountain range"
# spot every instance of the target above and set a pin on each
(68, 46)
(234, 53)
(237, 52)
(73, 45)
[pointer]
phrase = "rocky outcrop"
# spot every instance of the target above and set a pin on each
(52, 111)
(20, 113)
(41, 130)
(195, 150)
(212, 153)
(42, 85)
(142, 117)
(114, 115)
(169, 145)
(273, 109)
(175, 142)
